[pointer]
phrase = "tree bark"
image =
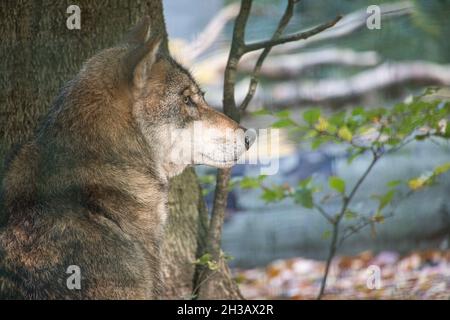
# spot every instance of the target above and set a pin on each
(39, 54)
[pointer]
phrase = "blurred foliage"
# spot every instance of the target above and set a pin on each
(375, 132)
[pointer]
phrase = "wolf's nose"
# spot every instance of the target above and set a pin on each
(250, 137)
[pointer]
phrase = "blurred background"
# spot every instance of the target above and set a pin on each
(349, 65)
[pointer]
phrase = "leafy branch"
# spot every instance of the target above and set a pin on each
(376, 132)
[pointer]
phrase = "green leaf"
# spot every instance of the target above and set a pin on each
(326, 234)
(421, 137)
(207, 179)
(311, 116)
(345, 134)
(252, 182)
(446, 134)
(443, 168)
(305, 182)
(274, 194)
(417, 183)
(338, 119)
(204, 259)
(337, 184)
(378, 217)
(227, 256)
(322, 125)
(318, 141)
(393, 183)
(354, 153)
(212, 265)
(392, 141)
(349, 215)
(358, 111)
(283, 114)
(304, 197)
(234, 182)
(385, 199)
(261, 112)
(282, 123)
(205, 192)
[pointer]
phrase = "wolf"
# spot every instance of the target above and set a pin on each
(89, 191)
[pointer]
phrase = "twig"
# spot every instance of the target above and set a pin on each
(401, 145)
(293, 37)
(356, 229)
(256, 70)
(215, 65)
(346, 202)
(350, 23)
(324, 213)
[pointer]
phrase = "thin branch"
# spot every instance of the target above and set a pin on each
(358, 183)
(352, 142)
(401, 145)
(215, 228)
(236, 52)
(256, 70)
(356, 229)
(293, 37)
(324, 213)
(220, 201)
(367, 222)
(346, 201)
(350, 23)
(331, 254)
(334, 240)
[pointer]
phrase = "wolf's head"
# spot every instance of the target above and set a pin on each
(171, 112)
(135, 104)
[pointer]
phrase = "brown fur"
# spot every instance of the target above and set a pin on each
(90, 189)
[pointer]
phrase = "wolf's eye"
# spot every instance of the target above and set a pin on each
(188, 101)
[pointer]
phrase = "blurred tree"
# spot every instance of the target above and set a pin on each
(39, 53)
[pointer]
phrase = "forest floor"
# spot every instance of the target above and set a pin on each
(419, 275)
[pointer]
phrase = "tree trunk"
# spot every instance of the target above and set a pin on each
(39, 54)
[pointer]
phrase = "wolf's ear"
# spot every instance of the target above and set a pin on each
(138, 61)
(140, 33)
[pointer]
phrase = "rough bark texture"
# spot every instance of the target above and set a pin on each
(216, 284)
(185, 230)
(39, 54)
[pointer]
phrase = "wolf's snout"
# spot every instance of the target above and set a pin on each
(249, 137)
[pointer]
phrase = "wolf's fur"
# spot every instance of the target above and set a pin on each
(90, 189)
